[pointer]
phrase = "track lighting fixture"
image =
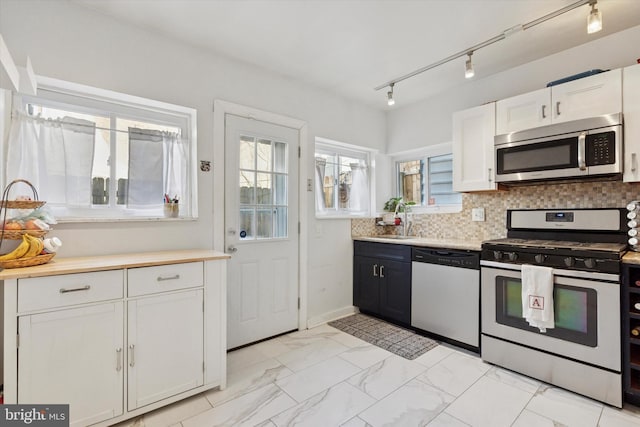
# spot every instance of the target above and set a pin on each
(390, 100)
(594, 21)
(594, 24)
(468, 67)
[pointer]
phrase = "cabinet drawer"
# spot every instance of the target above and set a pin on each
(40, 293)
(392, 251)
(162, 278)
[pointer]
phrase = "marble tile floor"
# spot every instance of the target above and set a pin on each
(324, 377)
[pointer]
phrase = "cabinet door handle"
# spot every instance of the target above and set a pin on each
(382, 271)
(163, 278)
(490, 179)
(131, 351)
(633, 162)
(558, 108)
(83, 288)
(544, 113)
(375, 270)
(118, 359)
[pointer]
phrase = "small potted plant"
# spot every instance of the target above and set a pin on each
(391, 205)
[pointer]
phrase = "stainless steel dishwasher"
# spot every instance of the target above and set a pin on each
(445, 294)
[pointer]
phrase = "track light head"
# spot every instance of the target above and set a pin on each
(390, 100)
(468, 67)
(594, 20)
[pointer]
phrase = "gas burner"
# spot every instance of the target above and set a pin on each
(545, 238)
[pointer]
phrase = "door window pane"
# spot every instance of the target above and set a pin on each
(264, 223)
(247, 187)
(246, 224)
(280, 222)
(280, 157)
(280, 189)
(247, 153)
(263, 196)
(263, 155)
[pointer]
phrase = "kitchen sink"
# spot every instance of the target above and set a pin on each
(396, 237)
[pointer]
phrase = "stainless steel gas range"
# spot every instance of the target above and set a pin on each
(583, 249)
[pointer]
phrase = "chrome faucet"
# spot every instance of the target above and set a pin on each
(406, 223)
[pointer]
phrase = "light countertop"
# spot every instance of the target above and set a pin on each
(463, 244)
(110, 262)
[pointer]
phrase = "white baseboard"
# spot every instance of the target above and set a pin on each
(332, 315)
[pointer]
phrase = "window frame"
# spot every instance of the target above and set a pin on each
(62, 94)
(424, 153)
(328, 146)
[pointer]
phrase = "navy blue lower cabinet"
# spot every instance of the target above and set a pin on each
(382, 280)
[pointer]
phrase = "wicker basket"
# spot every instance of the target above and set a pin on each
(17, 234)
(27, 262)
(21, 204)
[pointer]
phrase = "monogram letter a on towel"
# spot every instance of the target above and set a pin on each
(537, 296)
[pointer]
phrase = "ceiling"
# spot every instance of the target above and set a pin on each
(350, 47)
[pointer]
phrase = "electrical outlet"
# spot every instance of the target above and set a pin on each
(477, 214)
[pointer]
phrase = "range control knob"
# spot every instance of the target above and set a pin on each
(497, 255)
(540, 258)
(590, 263)
(569, 261)
(512, 256)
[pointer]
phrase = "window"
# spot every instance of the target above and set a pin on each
(263, 188)
(342, 176)
(96, 154)
(425, 177)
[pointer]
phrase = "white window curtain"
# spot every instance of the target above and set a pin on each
(359, 201)
(157, 166)
(320, 203)
(56, 156)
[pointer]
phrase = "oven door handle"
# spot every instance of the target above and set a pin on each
(582, 164)
(577, 274)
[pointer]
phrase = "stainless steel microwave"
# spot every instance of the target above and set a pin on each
(582, 148)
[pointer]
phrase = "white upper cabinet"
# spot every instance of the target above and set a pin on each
(473, 149)
(523, 111)
(588, 97)
(631, 109)
(578, 99)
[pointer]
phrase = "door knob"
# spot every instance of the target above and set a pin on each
(231, 249)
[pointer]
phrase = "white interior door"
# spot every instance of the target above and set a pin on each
(261, 229)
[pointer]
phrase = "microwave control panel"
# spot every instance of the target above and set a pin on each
(601, 149)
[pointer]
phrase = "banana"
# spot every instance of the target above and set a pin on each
(35, 246)
(18, 252)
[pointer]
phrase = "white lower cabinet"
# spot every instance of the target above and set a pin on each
(117, 343)
(74, 357)
(165, 348)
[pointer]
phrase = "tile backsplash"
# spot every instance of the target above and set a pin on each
(602, 194)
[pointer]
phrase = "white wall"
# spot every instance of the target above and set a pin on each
(429, 122)
(69, 42)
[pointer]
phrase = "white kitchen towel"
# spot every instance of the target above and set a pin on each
(537, 296)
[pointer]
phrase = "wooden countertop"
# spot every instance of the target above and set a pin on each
(631, 257)
(463, 244)
(111, 262)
